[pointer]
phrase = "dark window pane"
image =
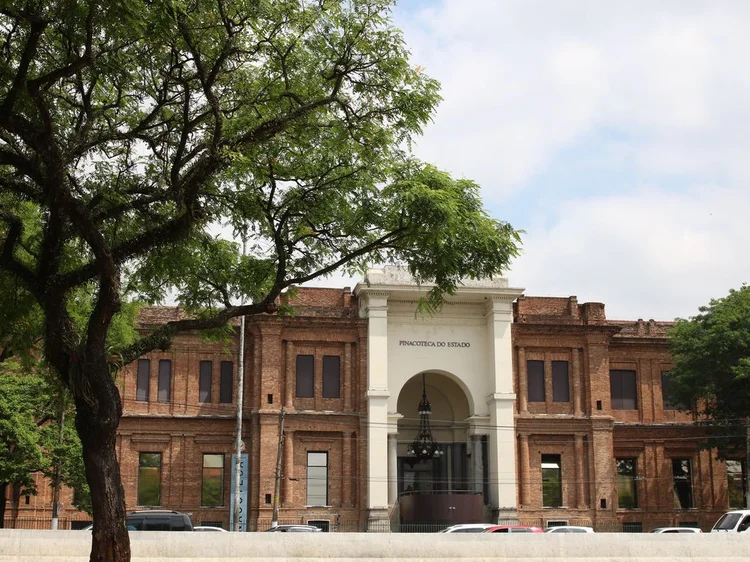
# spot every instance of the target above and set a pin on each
(551, 481)
(305, 376)
(736, 483)
(212, 488)
(682, 479)
(149, 478)
(627, 491)
(635, 527)
(144, 368)
(317, 478)
(535, 379)
(225, 382)
(560, 383)
(204, 383)
(623, 390)
(158, 523)
(666, 387)
(331, 377)
(165, 380)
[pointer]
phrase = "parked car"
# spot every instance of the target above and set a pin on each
(735, 521)
(293, 529)
(209, 528)
(677, 530)
(569, 529)
(513, 529)
(158, 520)
(468, 528)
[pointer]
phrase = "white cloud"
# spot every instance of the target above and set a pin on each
(667, 81)
(651, 254)
(522, 79)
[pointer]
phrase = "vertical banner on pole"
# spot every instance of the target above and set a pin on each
(244, 484)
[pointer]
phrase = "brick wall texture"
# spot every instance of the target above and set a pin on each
(588, 432)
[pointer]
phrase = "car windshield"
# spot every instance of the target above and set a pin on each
(727, 522)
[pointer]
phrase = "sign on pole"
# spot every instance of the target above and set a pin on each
(244, 484)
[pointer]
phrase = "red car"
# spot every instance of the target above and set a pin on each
(513, 529)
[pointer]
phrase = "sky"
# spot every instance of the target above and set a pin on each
(615, 134)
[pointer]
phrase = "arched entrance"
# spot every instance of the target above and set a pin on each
(446, 487)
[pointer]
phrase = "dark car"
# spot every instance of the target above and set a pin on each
(293, 529)
(158, 520)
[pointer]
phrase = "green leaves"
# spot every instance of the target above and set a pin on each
(712, 365)
(22, 402)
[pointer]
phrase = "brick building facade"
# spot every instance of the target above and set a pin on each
(591, 438)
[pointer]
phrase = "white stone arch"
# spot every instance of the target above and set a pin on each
(451, 403)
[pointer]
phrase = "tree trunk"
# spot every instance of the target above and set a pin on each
(3, 491)
(15, 504)
(96, 423)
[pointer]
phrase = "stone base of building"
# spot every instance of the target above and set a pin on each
(505, 516)
(378, 521)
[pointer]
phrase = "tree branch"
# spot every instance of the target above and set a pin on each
(37, 28)
(161, 337)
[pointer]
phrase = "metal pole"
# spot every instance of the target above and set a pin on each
(238, 444)
(277, 481)
(747, 463)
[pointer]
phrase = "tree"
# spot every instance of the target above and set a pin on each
(30, 440)
(135, 133)
(20, 453)
(711, 352)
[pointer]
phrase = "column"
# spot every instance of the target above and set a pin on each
(580, 476)
(524, 477)
(346, 469)
(347, 386)
(478, 463)
(291, 366)
(577, 383)
(523, 382)
(288, 499)
(392, 468)
(501, 406)
(376, 309)
(603, 471)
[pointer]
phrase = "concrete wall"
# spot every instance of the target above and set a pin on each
(69, 546)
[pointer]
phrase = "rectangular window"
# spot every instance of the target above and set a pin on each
(560, 382)
(666, 387)
(212, 481)
(331, 376)
(149, 479)
(204, 381)
(535, 380)
(165, 380)
(551, 481)
(144, 370)
(305, 376)
(736, 483)
(682, 481)
(627, 489)
(634, 527)
(623, 390)
(317, 478)
(225, 382)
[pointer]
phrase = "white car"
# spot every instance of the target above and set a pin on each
(677, 530)
(735, 521)
(209, 528)
(468, 528)
(569, 529)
